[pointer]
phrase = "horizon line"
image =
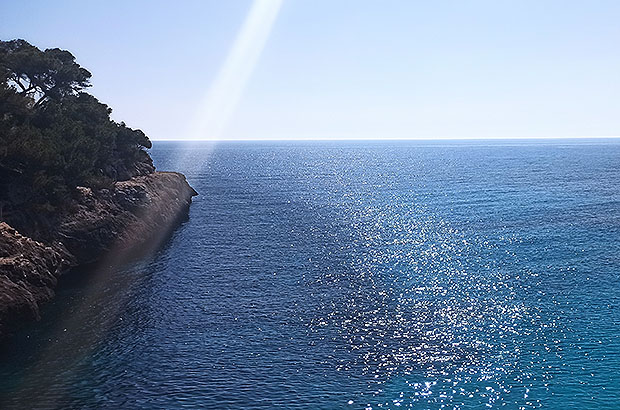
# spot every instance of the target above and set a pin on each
(390, 139)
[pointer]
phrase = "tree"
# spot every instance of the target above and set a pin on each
(53, 135)
(41, 75)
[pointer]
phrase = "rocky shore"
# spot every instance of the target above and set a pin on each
(112, 222)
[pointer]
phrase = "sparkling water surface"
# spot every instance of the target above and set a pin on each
(358, 274)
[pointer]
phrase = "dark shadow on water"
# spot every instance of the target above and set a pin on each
(87, 302)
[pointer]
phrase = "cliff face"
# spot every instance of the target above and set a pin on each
(28, 274)
(113, 221)
(123, 218)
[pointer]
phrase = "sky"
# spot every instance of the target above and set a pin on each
(321, 69)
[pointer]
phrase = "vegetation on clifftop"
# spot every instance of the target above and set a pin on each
(54, 136)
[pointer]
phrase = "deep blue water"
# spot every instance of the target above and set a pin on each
(459, 275)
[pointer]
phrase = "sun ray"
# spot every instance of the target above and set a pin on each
(220, 102)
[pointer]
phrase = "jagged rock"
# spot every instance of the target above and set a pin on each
(28, 274)
(117, 220)
(135, 209)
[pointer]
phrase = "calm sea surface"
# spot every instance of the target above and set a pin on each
(425, 275)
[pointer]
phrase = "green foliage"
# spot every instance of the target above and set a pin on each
(41, 75)
(53, 135)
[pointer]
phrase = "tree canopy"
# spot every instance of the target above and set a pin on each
(54, 136)
(41, 75)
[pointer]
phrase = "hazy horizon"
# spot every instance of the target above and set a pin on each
(604, 137)
(287, 69)
(354, 204)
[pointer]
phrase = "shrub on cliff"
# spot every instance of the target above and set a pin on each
(53, 135)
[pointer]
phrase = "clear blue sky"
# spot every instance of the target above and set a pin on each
(345, 68)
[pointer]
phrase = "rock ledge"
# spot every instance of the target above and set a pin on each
(134, 213)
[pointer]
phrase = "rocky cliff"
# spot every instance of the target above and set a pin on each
(116, 221)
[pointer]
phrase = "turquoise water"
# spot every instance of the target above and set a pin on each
(397, 274)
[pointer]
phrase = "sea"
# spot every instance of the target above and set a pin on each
(351, 275)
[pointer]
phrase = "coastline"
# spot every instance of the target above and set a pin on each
(110, 223)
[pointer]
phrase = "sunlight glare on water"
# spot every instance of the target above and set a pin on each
(459, 275)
